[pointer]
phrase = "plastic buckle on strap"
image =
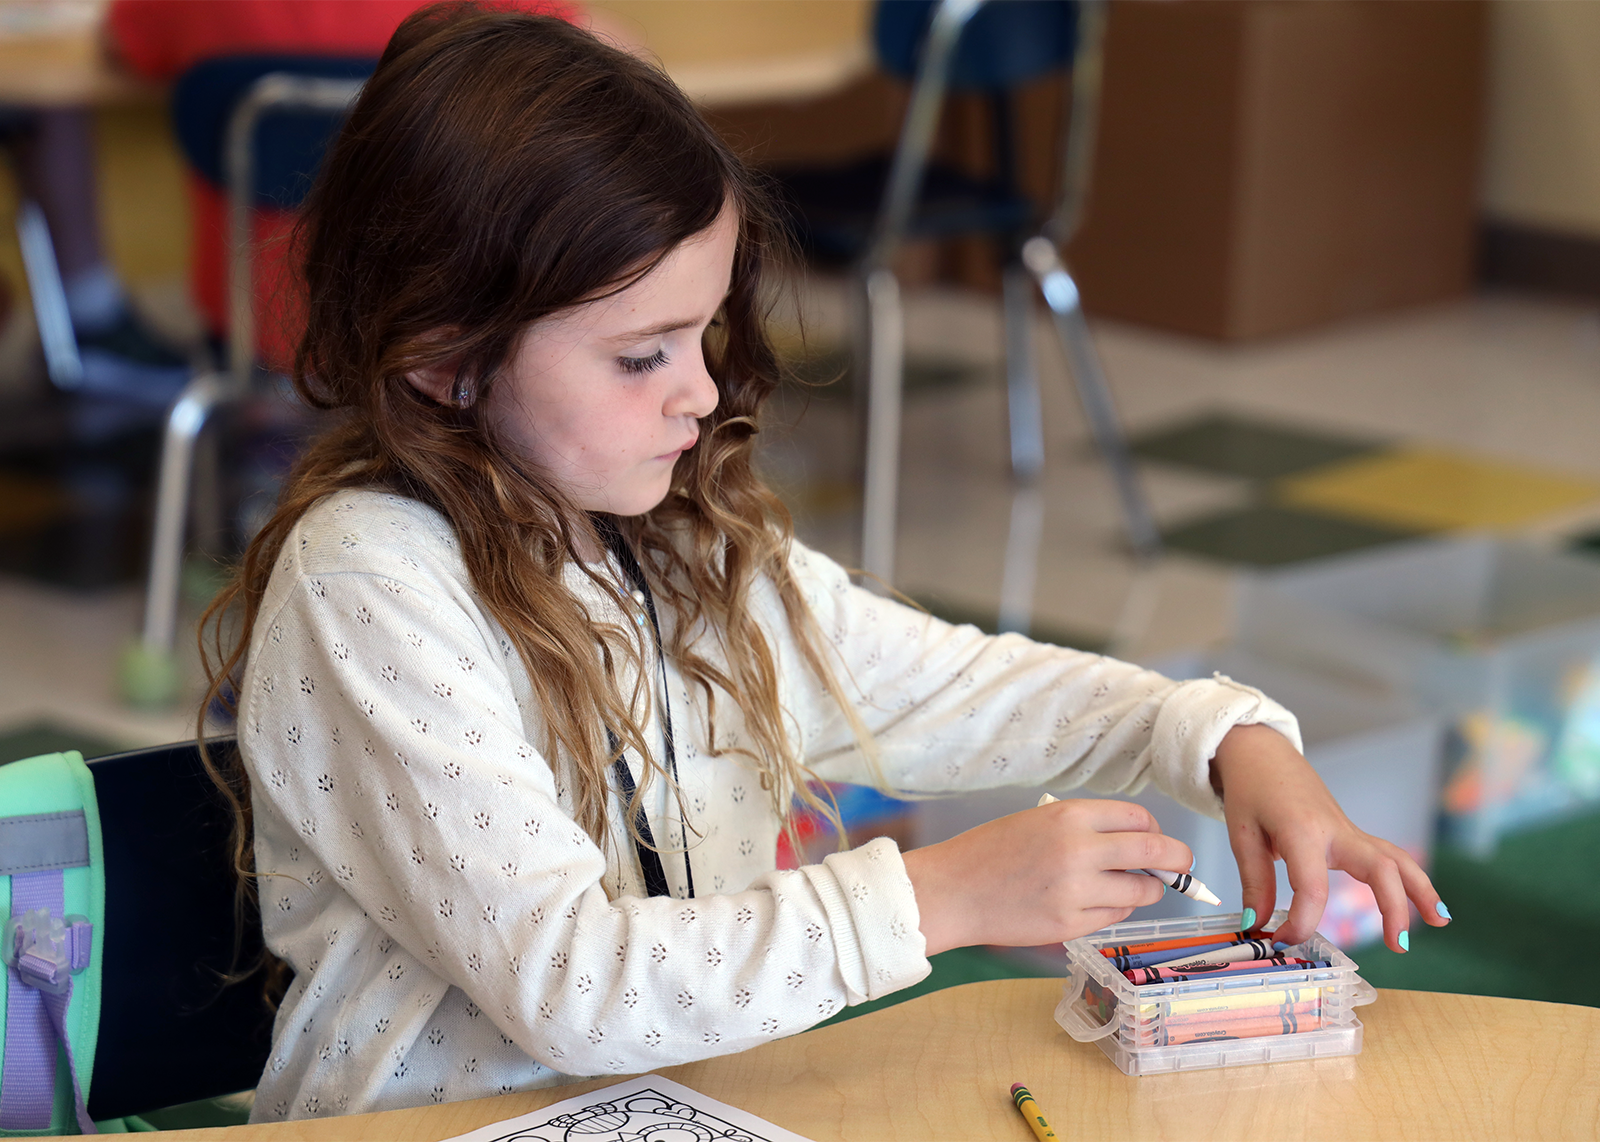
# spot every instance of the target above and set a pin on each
(46, 950)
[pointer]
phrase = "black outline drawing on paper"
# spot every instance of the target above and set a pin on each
(644, 1116)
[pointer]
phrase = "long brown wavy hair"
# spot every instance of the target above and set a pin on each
(497, 168)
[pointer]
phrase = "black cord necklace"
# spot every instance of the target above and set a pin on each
(655, 876)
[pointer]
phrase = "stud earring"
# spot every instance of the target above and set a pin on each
(462, 393)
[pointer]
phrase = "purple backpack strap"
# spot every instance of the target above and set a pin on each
(41, 949)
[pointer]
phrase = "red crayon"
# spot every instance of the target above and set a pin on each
(1278, 963)
(1184, 942)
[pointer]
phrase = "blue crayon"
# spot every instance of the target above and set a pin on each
(1258, 950)
(1145, 976)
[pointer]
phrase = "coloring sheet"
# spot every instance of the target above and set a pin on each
(646, 1109)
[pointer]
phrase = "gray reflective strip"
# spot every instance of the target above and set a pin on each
(43, 840)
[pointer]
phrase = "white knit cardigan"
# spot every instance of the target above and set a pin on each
(455, 934)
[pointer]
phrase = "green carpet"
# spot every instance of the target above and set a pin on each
(1523, 921)
(1267, 535)
(1239, 446)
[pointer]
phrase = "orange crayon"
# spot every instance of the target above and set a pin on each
(1257, 1029)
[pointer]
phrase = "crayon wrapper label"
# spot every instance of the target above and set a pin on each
(1208, 1004)
(1254, 1029)
(1243, 1015)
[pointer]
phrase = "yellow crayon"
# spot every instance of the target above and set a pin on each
(1030, 1111)
(1210, 1004)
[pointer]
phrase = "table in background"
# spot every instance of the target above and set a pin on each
(720, 53)
(1449, 1067)
(51, 56)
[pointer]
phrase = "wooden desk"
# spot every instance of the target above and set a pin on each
(51, 56)
(719, 52)
(724, 53)
(1448, 1067)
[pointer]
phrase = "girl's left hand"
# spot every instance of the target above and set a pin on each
(1277, 807)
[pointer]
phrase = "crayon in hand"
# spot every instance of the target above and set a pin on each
(1177, 881)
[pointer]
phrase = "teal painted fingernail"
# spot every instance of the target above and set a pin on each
(1248, 920)
(1443, 911)
(1405, 941)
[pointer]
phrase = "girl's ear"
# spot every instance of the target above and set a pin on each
(434, 382)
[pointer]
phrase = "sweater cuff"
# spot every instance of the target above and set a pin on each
(1191, 725)
(872, 910)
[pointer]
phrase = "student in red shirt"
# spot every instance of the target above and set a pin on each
(161, 39)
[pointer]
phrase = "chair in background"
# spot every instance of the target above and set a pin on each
(864, 212)
(258, 126)
(171, 1031)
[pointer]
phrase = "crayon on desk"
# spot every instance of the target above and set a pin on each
(1030, 1111)
(1177, 881)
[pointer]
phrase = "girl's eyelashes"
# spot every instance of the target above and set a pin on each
(643, 364)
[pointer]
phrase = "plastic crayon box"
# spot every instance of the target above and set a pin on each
(1230, 1019)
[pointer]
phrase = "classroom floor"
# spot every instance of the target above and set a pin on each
(1477, 413)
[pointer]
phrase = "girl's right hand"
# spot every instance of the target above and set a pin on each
(1041, 876)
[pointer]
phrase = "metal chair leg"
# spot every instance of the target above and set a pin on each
(1026, 423)
(56, 335)
(885, 370)
(149, 673)
(1022, 376)
(1061, 295)
(1020, 577)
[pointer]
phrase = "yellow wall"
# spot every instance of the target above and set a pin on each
(1542, 161)
(144, 209)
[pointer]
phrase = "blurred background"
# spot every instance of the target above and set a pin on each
(1331, 427)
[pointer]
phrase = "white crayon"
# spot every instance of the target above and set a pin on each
(1249, 950)
(1177, 881)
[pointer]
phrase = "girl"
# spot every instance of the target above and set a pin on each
(531, 670)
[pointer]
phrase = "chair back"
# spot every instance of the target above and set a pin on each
(1005, 44)
(171, 1031)
(288, 145)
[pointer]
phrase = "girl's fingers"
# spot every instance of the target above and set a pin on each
(1258, 875)
(1307, 862)
(1130, 889)
(1381, 873)
(1420, 889)
(1145, 850)
(1110, 816)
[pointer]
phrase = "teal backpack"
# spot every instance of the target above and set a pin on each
(52, 896)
